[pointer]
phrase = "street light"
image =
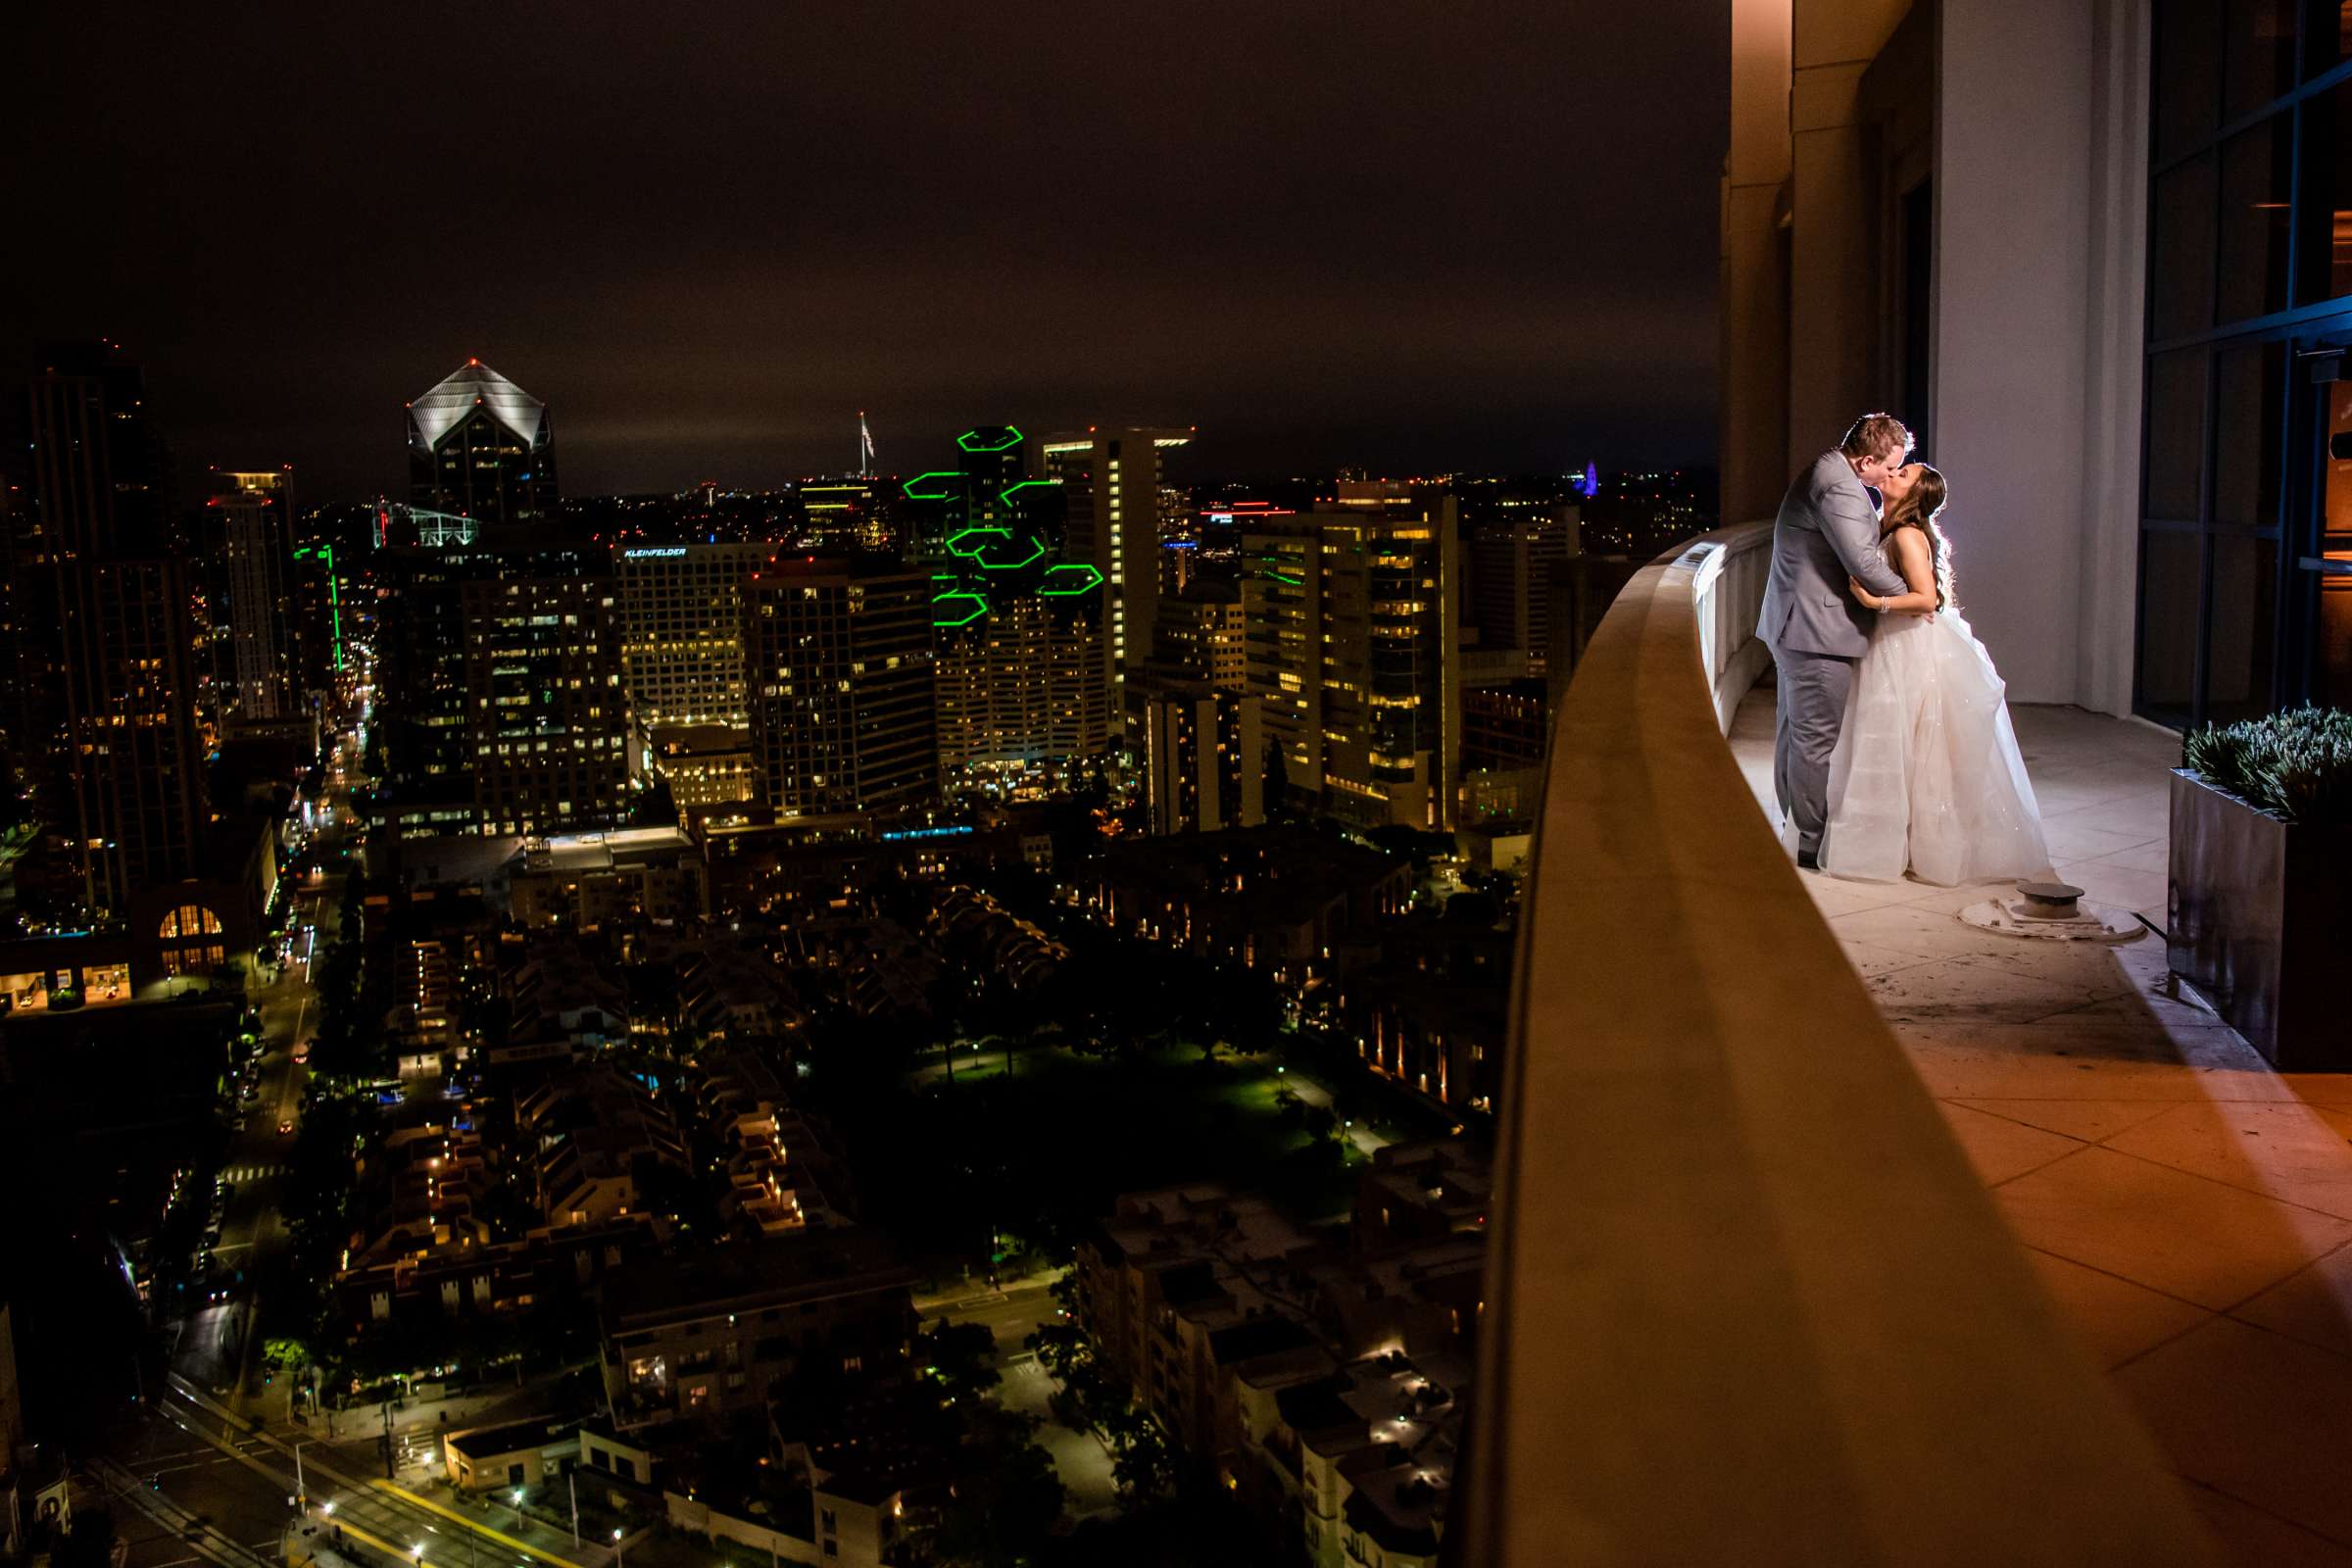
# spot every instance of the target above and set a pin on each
(518, 1507)
(617, 1560)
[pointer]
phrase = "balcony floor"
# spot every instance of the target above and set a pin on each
(2190, 1210)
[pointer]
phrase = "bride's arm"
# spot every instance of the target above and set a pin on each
(1919, 571)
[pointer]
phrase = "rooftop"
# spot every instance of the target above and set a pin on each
(1831, 1229)
(2189, 1208)
(472, 384)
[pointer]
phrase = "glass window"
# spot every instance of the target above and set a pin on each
(2258, 54)
(2175, 435)
(2326, 222)
(2335, 496)
(2167, 620)
(2187, 79)
(2332, 655)
(2326, 35)
(2249, 406)
(2245, 614)
(2180, 265)
(2257, 177)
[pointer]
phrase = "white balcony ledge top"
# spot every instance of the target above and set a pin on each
(2189, 1208)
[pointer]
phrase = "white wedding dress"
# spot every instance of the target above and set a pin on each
(1926, 775)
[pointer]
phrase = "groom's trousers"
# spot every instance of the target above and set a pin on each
(1812, 689)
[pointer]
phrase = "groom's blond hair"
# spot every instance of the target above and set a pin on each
(1877, 435)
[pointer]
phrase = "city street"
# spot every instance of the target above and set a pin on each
(185, 1450)
(1011, 1314)
(217, 1348)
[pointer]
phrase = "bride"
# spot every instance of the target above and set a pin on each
(1927, 774)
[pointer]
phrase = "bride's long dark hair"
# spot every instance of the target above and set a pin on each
(1919, 509)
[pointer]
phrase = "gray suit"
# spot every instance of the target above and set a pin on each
(1827, 531)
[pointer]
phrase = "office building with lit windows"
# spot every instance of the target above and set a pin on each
(1350, 644)
(1112, 480)
(710, 770)
(840, 665)
(548, 719)
(110, 641)
(246, 550)
(500, 701)
(134, 877)
(481, 447)
(1022, 681)
(681, 645)
(1201, 633)
(1203, 754)
(852, 515)
(1512, 563)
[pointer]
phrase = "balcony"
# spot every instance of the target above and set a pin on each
(1834, 1230)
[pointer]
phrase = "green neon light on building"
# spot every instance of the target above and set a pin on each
(1037, 547)
(937, 600)
(1013, 438)
(912, 494)
(1284, 576)
(1094, 580)
(1004, 496)
(949, 544)
(334, 595)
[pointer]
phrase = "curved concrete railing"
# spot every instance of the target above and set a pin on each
(1747, 1302)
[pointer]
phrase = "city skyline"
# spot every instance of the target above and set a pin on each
(1266, 229)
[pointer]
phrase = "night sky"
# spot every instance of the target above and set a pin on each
(1406, 237)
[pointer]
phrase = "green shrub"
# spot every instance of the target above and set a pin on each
(2296, 765)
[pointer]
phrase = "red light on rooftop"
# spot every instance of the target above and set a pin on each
(473, 362)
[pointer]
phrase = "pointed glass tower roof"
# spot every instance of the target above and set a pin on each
(473, 384)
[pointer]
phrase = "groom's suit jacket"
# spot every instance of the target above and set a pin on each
(1827, 531)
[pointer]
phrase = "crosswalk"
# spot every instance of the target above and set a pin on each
(254, 1173)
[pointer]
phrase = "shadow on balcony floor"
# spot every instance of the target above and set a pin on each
(2190, 1210)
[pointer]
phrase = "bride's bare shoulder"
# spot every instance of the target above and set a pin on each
(1910, 543)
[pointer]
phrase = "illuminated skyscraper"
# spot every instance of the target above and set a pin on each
(849, 516)
(1351, 643)
(1511, 567)
(482, 446)
(548, 719)
(248, 554)
(1200, 634)
(840, 665)
(1112, 480)
(1022, 677)
(111, 639)
(681, 610)
(1203, 754)
(500, 698)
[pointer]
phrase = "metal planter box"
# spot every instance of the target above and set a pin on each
(2261, 917)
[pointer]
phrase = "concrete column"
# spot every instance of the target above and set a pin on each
(1753, 397)
(1833, 306)
(2014, 335)
(2107, 600)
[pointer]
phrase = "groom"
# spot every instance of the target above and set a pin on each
(1827, 531)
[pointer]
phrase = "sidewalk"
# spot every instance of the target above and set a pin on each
(1312, 1093)
(358, 1431)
